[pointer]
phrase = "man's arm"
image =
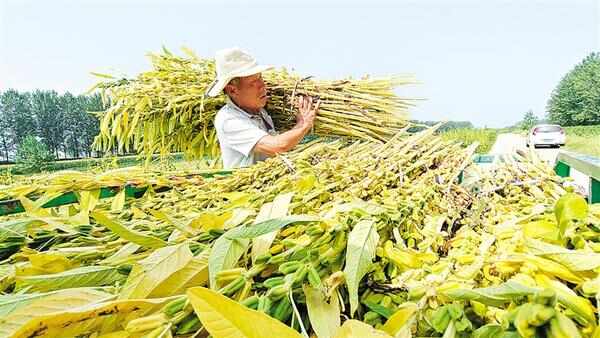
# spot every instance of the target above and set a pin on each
(273, 145)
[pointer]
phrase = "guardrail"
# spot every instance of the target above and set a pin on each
(587, 165)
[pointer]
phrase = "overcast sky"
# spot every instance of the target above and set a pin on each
(483, 61)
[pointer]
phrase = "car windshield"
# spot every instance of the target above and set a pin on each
(547, 129)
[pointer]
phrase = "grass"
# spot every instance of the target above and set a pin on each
(580, 139)
(583, 144)
(583, 139)
(467, 136)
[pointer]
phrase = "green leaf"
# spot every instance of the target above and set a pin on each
(225, 254)
(17, 227)
(146, 277)
(324, 316)
(574, 260)
(225, 318)
(570, 207)
(278, 208)
(488, 331)
(360, 253)
(267, 226)
(11, 302)
(78, 277)
(440, 319)
(380, 309)
(568, 298)
(128, 234)
(493, 296)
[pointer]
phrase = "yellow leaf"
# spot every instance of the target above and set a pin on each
(106, 76)
(74, 314)
(210, 220)
(154, 270)
(357, 329)
(195, 273)
(399, 319)
(237, 199)
(324, 317)
(225, 318)
(541, 229)
(118, 201)
(44, 263)
(26, 319)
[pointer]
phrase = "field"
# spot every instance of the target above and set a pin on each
(580, 139)
(485, 137)
(584, 139)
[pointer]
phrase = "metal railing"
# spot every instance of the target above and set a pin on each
(585, 164)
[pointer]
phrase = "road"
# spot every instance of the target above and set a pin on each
(510, 143)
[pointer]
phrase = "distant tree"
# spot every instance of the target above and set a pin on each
(529, 120)
(576, 99)
(17, 120)
(448, 125)
(32, 156)
(50, 120)
(5, 126)
(90, 123)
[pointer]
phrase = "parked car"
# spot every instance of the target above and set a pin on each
(551, 135)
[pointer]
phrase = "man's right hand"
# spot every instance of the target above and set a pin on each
(307, 111)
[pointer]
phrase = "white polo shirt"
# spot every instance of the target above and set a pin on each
(238, 133)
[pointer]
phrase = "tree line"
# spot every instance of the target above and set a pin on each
(576, 99)
(61, 122)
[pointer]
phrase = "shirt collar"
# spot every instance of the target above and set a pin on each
(236, 107)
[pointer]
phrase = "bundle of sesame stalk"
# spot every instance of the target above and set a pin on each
(338, 238)
(164, 110)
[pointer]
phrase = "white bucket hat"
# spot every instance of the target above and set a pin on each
(232, 63)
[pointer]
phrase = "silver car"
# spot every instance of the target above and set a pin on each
(551, 135)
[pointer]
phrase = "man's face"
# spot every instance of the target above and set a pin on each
(250, 93)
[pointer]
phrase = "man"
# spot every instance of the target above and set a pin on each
(245, 131)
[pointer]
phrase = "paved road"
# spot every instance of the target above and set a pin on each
(509, 143)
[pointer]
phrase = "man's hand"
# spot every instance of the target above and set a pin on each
(307, 111)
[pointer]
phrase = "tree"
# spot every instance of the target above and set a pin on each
(576, 99)
(17, 120)
(32, 156)
(529, 120)
(50, 120)
(5, 125)
(64, 123)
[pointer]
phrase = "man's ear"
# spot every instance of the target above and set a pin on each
(230, 89)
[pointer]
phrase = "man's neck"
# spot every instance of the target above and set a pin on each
(246, 109)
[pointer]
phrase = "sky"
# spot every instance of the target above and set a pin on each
(487, 62)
